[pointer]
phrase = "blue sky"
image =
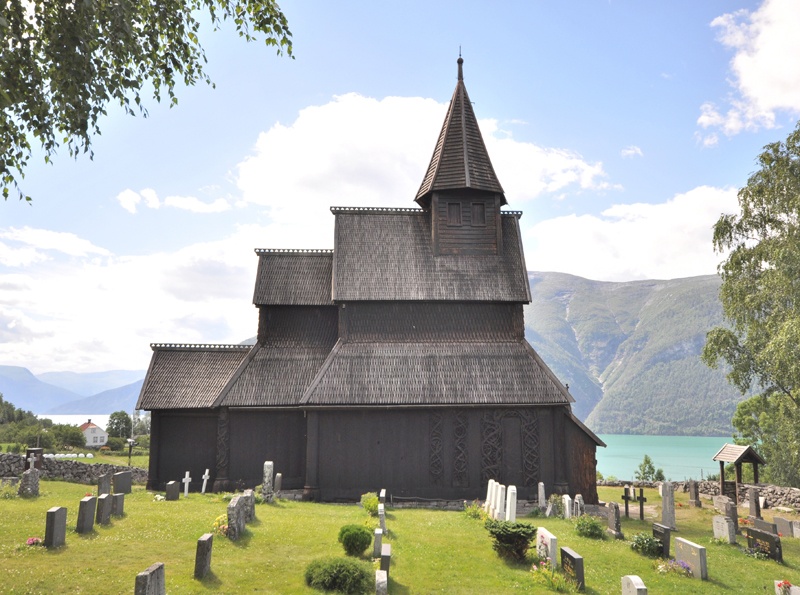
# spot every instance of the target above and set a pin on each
(621, 129)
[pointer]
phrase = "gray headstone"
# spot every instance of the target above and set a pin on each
(719, 502)
(376, 549)
(572, 566)
(86, 512)
(542, 497)
(104, 484)
(766, 526)
(766, 542)
(386, 558)
(567, 502)
(755, 504)
(663, 533)
(268, 484)
(511, 504)
(694, 494)
(382, 517)
(381, 582)
(614, 523)
(29, 484)
(796, 529)
(236, 517)
(668, 505)
(547, 545)
(578, 507)
(55, 532)
(118, 504)
(173, 490)
(122, 482)
(202, 558)
(694, 555)
(249, 497)
(152, 581)
(784, 526)
(278, 483)
(104, 509)
(731, 511)
(633, 585)
(724, 529)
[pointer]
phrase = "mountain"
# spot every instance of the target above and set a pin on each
(91, 383)
(25, 391)
(630, 352)
(122, 398)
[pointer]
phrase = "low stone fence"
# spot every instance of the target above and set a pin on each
(12, 465)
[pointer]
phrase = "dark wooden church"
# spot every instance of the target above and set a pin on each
(396, 360)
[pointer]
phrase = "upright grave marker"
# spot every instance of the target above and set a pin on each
(123, 482)
(206, 477)
(694, 494)
(763, 525)
(236, 518)
(694, 555)
(104, 509)
(173, 490)
(382, 517)
(511, 504)
(104, 484)
(376, 548)
(547, 545)
(755, 503)
(268, 485)
(662, 533)
(542, 499)
(641, 499)
(186, 481)
(151, 581)
(668, 505)
(769, 543)
(572, 565)
(202, 557)
(381, 583)
(118, 504)
(500, 509)
(578, 507)
(724, 529)
(249, 498)
(55, 532)
(386, 558)
(614, 524)
(567, 502)
(29, 484)
(86, 512)
(633, 585)
(278, 484)
(487, 504)
(784, 526)
(626, 497)
(731, 511)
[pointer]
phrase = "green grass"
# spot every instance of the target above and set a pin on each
(433, 551)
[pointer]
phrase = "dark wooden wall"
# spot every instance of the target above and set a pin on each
(465, 235)
(182, 441)
(582, 463)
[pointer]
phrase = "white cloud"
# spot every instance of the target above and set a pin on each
(129, 200)
(43, 239)
(634, 241)
(765, 68)
(631, 151)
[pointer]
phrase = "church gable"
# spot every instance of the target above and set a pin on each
(293, 277)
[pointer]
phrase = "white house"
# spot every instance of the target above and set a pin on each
(95, 436)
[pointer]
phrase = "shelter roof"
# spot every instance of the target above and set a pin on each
(386, 254)
(423, 374)
(293, 277)
(460, 159)
(188, 376)
(734, 453)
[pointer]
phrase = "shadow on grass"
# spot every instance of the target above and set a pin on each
(396, 588)
(211, 581)
(244, 539)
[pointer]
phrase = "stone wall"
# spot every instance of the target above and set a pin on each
(12, 465)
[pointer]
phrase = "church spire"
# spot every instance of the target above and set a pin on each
(460, 160)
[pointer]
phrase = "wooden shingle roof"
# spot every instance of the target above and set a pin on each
(734, 453)
(188, 376)
(460, 159)
(423, 374)
(293, 277)
(386, 254)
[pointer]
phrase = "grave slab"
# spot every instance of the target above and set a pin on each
(755, 503)
(694, 494)
(55, 533)
(381, 583)
(567, 502)
(781, 590)
(572, 565)
(668, 505)
(694, 555)
(614, 523)
(724, 528)
(104, 484)
(29, 484)
(763, 525)
(103, 516)
(202, 557)
(386, 558)
(663, 533)
(236, 517)
(784, 526)
(151, 581)
(547, 545)
(173, 490)
(122, 482)
(732, 512)
(769, 543)
(118, 504)
(249, 497)
(633, 585)
(86, 512)
(376, 548)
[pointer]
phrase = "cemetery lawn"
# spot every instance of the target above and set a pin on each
(432, 551)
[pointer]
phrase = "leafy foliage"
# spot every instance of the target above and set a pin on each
(370, 503)
(63, 62)
(119, 425)
(546, 575)
(589, 526)
(761, 301)
(474, 510)
(647, 471)
(355, 539)
(511, 540)
(647, 545)
(339, 574)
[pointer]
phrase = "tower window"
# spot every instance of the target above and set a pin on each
(478, 213)
(453, 213)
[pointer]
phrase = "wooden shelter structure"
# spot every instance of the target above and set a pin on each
(736, 454)
(396, 360)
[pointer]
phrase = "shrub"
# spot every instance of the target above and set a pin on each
(647, 545)
(557, 502)
(370, 503)
(220, 526)
(355, 539)
(115, 443)
(588, 526)
(547, 576)
(474, 510)
(340, 574)
(511, 540)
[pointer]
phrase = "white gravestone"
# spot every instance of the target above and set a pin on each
(724, 529)
(567, 506)
(500, 511)
(511, 504)
(668, 506)
(578, 507)
(633, 585)
(489, 492)
(206, 477)
(268, 487)
(185, 481)
(547, 545)
(542, 500)
(694, 555)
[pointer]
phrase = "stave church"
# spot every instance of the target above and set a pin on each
(397, 360)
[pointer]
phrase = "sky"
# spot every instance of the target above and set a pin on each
(622, 129)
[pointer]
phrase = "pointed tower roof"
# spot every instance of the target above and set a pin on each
(460, 160)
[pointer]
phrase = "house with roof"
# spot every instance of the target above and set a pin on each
(94, 435)
(396, 360)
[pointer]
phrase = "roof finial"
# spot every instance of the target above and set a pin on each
(460, 62)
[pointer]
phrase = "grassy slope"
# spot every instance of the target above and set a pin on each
(433, 551)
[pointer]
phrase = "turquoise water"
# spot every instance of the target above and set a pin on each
(681, 457)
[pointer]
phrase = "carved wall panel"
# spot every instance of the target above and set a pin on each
(435, 441)
(461, 459)
(492, 444)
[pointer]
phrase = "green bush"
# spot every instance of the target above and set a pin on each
(340, 574)
(370, 503)
(511, 540)
(589, 526)
(474, 510)
(355, 539)
(115, 443)
(647, 545)
(557, 503)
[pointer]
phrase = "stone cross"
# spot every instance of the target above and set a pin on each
(206, 477)
(32, 460)
(185, 481)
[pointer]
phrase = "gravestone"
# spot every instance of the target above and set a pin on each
(567, 502)
(376, 548)
(784, 526)
(724, 529)
(663, 533)
(766, 526)
(795, 528)
(626, 497)
(268, 485)
(731, 511)
(278, 484)
(382, 496)
(152, 581)
(173, 490)
(29, 484)
(633, 585)
(123, 482)
(641, 499)
(542, 499)
(548, 512)
(34, 458)
(755, 504)
(694, 555)
(202, 557)
(511, 504)
(55, 532)
(668, 505)
(249, 498)
(769, 543)
(381, 583)
(782, 589)
(547, 545)
(572, 565)
(578, 507)
(86, 512)
(205, 478)
(118, 504)
(500, 509)
(719, 502)
(103, 510)
(236, 518)
(186, 481)
(495, 500)
(382, 517)
(104, 484)
(614, 525)
(386, 558)
(487, 504)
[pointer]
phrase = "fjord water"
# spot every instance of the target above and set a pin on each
(681, 457)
